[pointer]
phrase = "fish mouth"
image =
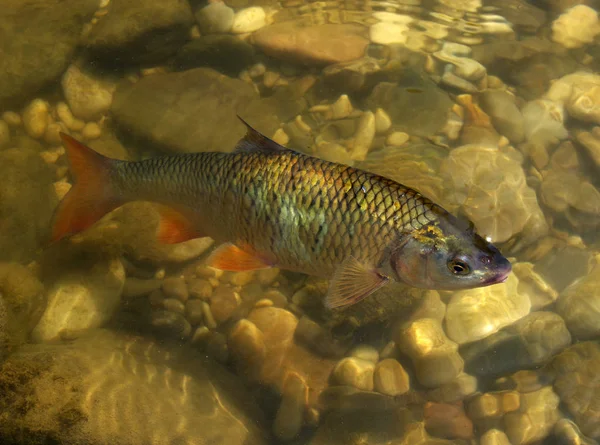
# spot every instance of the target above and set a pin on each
(499, 277)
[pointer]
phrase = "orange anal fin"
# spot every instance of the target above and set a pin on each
(91, 196)
(352, 282)
(230, 257)
(175, 226)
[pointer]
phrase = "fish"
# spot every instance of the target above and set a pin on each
(271, 206)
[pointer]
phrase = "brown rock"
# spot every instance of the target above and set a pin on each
(447, 420)
(318, 44)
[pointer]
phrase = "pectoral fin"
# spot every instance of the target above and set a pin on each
(352, 282)
(231, 257)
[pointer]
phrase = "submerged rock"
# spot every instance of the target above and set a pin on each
(38, 39)
(576, 27)
(190, 111)
(105, 388)
(140, 32)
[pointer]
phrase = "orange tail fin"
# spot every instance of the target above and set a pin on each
(91, 197)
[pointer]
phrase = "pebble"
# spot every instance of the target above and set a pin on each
(201, 336)
(61, 188)
(223, 304)
(533, 285)
(382, 121)
(241, 278)
(535, 419)
(217, 347)
(156, 297)
(91, 131)
(447, 421)
(188, 250)
(290, 415)
(81, 299)
(172, 324)
(363, 139)
(281, 137)
(579, 305)
(494, 437)
(390, 378)
(458, 389)
(214, 18)
(257, 70)
(567, 433)
(35, 118)
(434, 355)
(365, 352)
(576, 27)
(249, 20)
(474, 314)
(317, 339)
(12, 118)
(209, 320)
(341, 108)
(199, 288)
(89, 97)
(276, 297)
(270, 79)
(397, 139)
(386, 33)
(194, 312)
(247, 345)
(266, 277)
(64, 114)
(176, 287)
(173, 305)
(355, 372)
(52, 134)
(4, 134)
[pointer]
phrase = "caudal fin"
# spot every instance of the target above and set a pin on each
(92, 195)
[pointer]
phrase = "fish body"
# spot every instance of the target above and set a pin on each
(277, 207)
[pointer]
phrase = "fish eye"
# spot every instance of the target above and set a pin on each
(458, 267)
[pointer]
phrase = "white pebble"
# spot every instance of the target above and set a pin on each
(35, 118)
(61, 188)
(384, 33)
(52, 135)
(91, 131)
(249, 20)
(64, 114)
(363, 138)
(341, 108)
(397, 139)
(382, 121)
(281, 137)
(89, 96)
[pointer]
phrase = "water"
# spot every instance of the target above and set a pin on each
(488, 107)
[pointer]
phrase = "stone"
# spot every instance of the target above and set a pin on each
(27, 202)
(505, 114)
(355, 372)
(458, 389)
(214, 18)
(390, 378)
(248, 20)
(82, 298)
(289, 419)
(140, 33)
(199, 288)
(415, 104)
(171, 324)
(567, 433)
(88, 94)
(448, 421)
(576, 383)
(224, 53)
(91, 131)
(435, 356)
(474, 314)
(535, 418)
(531, 341)
(591, 142)
(35, 118)
(4, 134)
(201, 104)
(247, 345)
(22, 303)
(576, 27)
(363, 138)
(224, 302)
(173, 305)
(533, 285)
(579, 305)
(176, 287)
(386, 33)
(194, 312)
(397, 139)
(139, 287)
(66, 116)
(494, 437)
(491, 188)
(382, 121)
(39, 38)
(72, 387)
(314, 45)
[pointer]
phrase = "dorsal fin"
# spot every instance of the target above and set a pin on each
(254, 140)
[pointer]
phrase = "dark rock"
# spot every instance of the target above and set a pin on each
(415, 104)
(191, 111)
(226, 54)
(140, 32)
(38, 39)
(122, 390)
(27, 201)
(171, 324)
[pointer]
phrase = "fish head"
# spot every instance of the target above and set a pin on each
(448, 255)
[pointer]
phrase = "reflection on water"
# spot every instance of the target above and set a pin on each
(487, 107)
